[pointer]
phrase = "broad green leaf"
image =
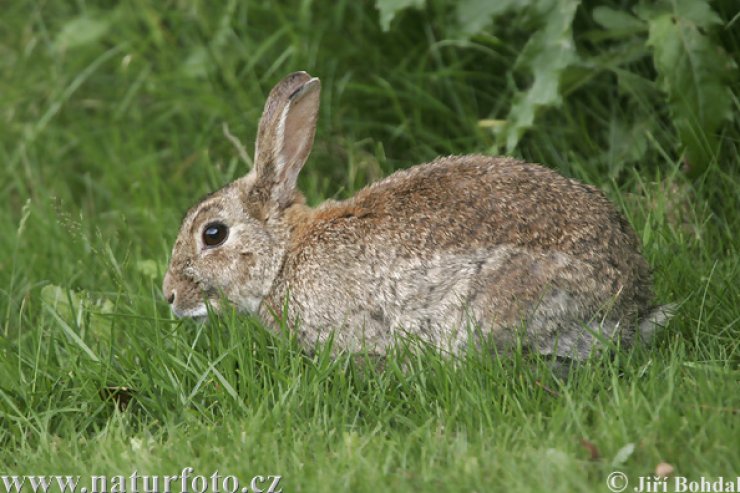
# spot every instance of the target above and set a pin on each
(65, 302)
(198, 63)
(81, 31)
(547, 54)
(388, 9)
(697, 11)
(617, 21)
(474, 15)
(640, 88)
(694, 73)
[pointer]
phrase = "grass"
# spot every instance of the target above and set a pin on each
(113, 125)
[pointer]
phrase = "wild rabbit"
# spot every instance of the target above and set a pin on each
(466, 246)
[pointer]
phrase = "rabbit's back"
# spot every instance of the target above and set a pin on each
(477, 239)
(462, 203)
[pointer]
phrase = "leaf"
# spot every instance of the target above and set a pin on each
(25, 213)
(67, 306)
(617, 22)
(73, 336)
(198, 63)
(556, 457)
(81, 31)
(693, 72)
(634, 84)
(623, 454)
(65, 302)
(203, 59)
(148, 268)
(388, 9)
(549, 52)
(474, 15)
(627, 143)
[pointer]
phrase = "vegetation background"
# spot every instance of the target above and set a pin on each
(116, 116)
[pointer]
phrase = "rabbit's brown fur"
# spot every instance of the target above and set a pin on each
(469, 246)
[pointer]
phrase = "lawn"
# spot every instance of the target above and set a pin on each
(116, 117)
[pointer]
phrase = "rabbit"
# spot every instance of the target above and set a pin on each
(461, 250)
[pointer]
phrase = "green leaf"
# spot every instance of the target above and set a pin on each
(547, 54)
(81, 31)
(148, 268)
(67, 306)
(474, 15)
(388, 9)
(199, 63)
(617, 21)
(627, 143)
(204, 59)
(697, 11)
(693, 72)
(65, 302)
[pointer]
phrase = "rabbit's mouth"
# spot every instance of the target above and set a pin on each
(187, 299)
(198, 312)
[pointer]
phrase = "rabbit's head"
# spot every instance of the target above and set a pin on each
(231, 245)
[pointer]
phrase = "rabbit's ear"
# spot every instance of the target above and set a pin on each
(285, 138)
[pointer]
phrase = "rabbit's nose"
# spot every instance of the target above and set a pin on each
(167, 290)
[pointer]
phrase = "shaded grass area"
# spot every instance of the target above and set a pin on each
(113, 124)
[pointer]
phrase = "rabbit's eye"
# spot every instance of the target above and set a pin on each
(214, 234)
